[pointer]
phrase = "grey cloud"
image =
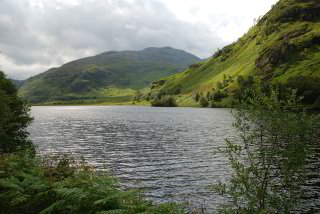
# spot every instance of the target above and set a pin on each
(50, 35)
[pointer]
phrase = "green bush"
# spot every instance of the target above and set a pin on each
(308, 87)
(269, 159)
(245, 84)
(204, 102)
(219, 95)
(164, 101)
(171, 91)
(217, 53)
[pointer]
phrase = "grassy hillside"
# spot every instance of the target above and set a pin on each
(284, 43)
(105, 76)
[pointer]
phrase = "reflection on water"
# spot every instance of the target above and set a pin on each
(168, 151)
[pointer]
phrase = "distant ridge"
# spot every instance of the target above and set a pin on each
(113, 73)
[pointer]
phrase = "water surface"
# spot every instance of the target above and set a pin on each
(168, 151)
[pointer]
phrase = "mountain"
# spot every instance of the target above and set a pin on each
(282, 47)
(110, 74)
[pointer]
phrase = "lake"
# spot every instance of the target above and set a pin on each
(169, 152)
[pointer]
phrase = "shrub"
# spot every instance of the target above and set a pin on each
(204, 102)
(174, 90)
(245, 84)
(308, 87)
(217, 53)
(269, 159)
(219, 95)
(157, 83)
(165, 101)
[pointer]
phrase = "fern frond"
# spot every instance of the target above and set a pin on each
(11, 183)
(19, 200)
(53, 207)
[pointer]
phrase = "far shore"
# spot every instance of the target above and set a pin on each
(184, 100)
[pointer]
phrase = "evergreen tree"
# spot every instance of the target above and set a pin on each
(14, 118)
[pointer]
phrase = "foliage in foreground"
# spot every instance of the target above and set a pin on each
(14, 118)
(29, 185)
(269, 160)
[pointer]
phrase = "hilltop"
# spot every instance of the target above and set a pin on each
(110, 76)
(282, 47)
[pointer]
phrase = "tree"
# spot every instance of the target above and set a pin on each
(268, 161)
(14, 118)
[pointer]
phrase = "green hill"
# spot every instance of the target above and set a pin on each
(283, 45)
(110, 76)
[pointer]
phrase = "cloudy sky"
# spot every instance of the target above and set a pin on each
(38, 34)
